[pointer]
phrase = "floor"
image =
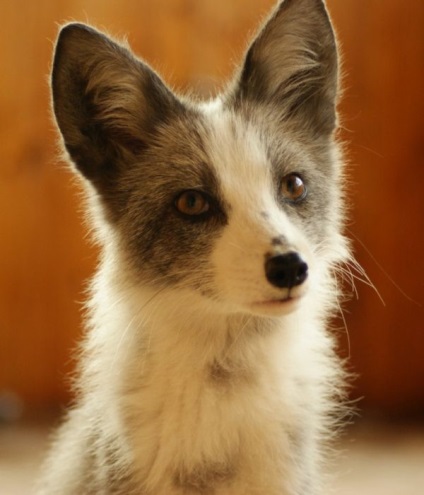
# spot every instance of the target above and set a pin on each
(374, 459)
(381, 460)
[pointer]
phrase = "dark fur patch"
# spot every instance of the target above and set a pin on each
(205, 479)
(230, 376)
(219, 374)
(279, 241)
(159, 239)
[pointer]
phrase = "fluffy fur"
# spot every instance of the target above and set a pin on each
(203, 373)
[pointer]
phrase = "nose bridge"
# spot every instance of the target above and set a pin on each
(253, 202)
(262, 231)
(254, 208)
(273, 225)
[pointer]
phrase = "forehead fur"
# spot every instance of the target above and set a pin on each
(252, 146)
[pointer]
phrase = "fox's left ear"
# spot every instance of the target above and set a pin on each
(292, 65)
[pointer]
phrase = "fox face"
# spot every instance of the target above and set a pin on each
(236, 200)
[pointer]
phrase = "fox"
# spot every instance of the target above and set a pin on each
(209, 365)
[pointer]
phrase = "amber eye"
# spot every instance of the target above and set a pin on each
(293, 188)
(192, 203)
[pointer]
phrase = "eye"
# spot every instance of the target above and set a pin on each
(193, 203)
(293, 189)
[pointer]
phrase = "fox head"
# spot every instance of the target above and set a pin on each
(236, 200)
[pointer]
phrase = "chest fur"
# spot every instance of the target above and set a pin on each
(197, 422)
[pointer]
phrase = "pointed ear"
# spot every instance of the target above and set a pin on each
(106, 101)
(292, 65)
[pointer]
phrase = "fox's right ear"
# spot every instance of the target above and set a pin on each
(106, 101)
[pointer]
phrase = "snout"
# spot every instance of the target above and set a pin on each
(286, 270)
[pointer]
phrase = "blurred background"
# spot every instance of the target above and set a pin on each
(46, 257)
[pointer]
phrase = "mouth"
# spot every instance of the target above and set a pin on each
(285, 304)
(277, 302)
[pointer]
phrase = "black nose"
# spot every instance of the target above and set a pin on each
(286, 270)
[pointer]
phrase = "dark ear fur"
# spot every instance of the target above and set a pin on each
(292, 65)
(106, 101)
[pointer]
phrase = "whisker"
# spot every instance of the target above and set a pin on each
(386, 274)
(344, 322)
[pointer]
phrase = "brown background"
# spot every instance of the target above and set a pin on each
(45, 255)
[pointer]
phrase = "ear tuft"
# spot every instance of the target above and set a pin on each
(292, 65)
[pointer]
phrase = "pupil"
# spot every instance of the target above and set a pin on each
(191, 201)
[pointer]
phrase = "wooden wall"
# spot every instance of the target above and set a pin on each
(45, 255)
(384, 125)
